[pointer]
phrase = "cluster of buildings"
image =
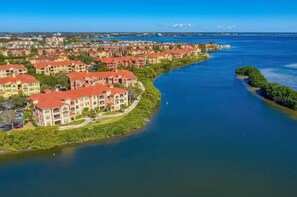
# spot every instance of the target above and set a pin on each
(14, 80)
(88, 90)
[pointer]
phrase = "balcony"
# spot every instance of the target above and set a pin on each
(56, 111)
(57, 117)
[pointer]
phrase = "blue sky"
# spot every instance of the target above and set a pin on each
(149, 16)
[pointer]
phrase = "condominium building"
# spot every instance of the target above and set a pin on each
(19, 84)
(83, 79)
(9, 69)
(127, 61)
(54, 108)
(67, 66)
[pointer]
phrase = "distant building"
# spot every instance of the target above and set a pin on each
(83, 79)
(47, 58)
(54, 41)
(67, 66)
(127, 61)
(50, 51)
(15, 51)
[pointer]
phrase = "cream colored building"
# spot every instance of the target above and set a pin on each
(19, 84)
(67, 66)
(54, 108)
(9, 69)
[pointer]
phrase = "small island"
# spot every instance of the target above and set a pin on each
(280, 94)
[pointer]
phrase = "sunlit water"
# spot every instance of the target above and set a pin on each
(209, 137)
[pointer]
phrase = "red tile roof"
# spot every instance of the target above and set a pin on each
(109, 60)
(21, 78)
(12, 66)
(54, 99)
(61, 63)
(96, 75)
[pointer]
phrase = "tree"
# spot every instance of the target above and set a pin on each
(2, 100)
(2, 59)
(28, 115)
(33, 51)
(62, 79)
(100, 67)
(18, 100)
(134, 92)
(92, 114)
(83, 57)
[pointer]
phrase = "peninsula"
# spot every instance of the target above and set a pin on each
(66, 91)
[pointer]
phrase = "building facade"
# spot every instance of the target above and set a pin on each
(54, 108)
(67, 66)
(19, 84)
(83, 79)
(9, 69)
(127, 61)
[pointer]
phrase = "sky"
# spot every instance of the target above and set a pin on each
(148, 16)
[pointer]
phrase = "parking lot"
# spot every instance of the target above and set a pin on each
(10, 117)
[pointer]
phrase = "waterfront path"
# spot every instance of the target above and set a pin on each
(101, 115)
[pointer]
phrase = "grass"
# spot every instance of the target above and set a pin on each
(76, 122)
(111, 113)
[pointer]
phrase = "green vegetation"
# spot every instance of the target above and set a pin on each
(49, 137)
(18, 100)
(2, 59)
(256, 79)
(50, 81)
(280, 94)
(76, 122)
(99, 67)
(134, 92)
(83, 57)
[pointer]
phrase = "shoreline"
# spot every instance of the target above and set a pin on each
(118, 134)
(254, 91)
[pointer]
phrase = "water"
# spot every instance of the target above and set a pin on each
(210, 137)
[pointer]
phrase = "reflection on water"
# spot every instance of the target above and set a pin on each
(66, 153)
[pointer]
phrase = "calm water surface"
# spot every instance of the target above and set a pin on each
(210, 137)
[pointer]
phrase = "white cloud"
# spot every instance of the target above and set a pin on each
(226, 27)
(181, 25)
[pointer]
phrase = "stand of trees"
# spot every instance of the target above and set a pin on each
(278, 93)
(83, 57)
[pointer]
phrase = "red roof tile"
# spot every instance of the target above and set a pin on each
(12, 66)
(61, 63)
(55, 98)
(96, 75)
(21, 78)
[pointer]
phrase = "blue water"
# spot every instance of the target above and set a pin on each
(209, 137)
